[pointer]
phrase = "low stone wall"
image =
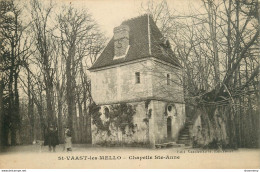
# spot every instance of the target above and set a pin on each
(134, 132)
(207, 131)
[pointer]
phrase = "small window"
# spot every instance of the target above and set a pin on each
(169, 108)
(106, 112)
(168, 79)
(137, 77)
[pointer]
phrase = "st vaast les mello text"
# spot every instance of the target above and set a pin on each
(131, 157)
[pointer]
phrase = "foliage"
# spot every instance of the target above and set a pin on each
(122, 116)
(94, 112)
(119, 117)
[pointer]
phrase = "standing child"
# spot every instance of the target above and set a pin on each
(67, 144)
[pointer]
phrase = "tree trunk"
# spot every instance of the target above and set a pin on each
(31, 109)
(70, 89)
(81, 120)
(213, 33)
(88, 122)
(60, 125)
(32, 119)
(1, 107)
(49, 100)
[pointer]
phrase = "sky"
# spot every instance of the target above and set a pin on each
(111, 13)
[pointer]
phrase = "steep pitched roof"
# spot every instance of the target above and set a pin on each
(139, 45)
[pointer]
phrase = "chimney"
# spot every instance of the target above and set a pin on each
(121, 41)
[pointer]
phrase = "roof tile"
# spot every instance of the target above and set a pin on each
(139, 45)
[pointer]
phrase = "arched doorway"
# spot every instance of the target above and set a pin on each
(169, 128)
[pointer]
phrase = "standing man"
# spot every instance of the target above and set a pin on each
(52, 138)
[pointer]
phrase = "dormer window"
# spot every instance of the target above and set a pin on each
(168, 79)
(121, 41)
(137, 77)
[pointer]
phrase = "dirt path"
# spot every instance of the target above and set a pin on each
(86, 156)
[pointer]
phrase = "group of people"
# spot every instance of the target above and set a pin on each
(52, 139)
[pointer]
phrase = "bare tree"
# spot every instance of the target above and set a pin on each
(79, 38)
(14, 52)
(44, 50)
(216, 46)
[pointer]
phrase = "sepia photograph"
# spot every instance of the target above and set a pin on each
(129, 84)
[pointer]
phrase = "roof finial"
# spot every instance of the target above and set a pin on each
(149, 36)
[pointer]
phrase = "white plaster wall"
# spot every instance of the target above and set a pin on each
(160, 121)
(117, 84)
(172, 92)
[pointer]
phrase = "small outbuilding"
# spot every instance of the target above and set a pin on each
(136, 83)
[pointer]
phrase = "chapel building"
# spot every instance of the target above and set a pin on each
(139, 68)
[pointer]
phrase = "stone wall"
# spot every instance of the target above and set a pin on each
(204, 131)
(173, 91)
(117, 84)
(117, 137)
(150, 125)
(160, 120)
